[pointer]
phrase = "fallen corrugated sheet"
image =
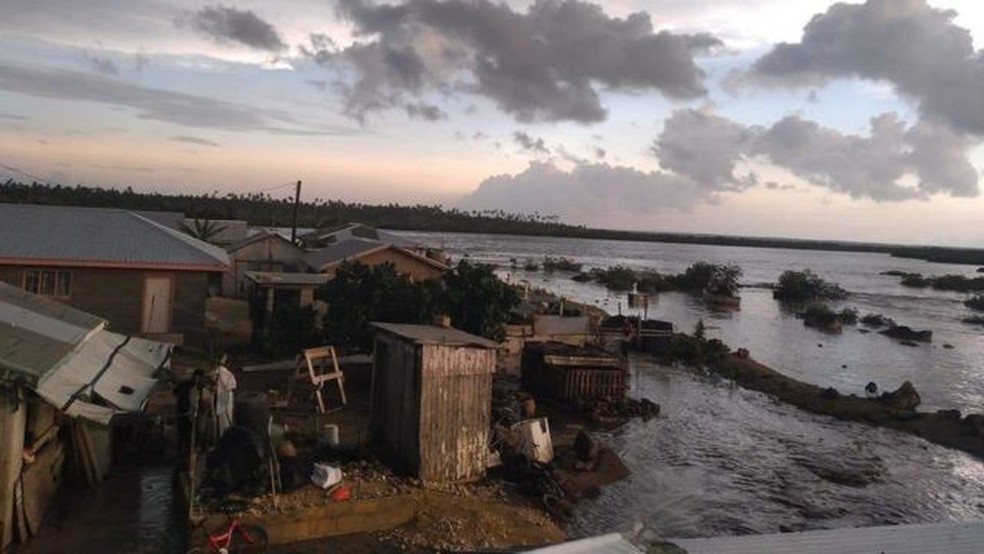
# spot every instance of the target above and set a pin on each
(71, 360)
(938, 538)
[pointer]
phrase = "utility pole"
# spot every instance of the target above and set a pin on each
(297, 203)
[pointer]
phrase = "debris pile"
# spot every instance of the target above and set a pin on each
(610, 410)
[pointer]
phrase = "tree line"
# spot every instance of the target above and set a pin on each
(262, 209)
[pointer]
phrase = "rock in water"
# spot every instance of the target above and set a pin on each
(903, 398)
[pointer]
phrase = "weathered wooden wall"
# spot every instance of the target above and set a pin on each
(394, 420)
(455, 412)
(117, 295)
(13, 418)
(269, 254)
(432, 407)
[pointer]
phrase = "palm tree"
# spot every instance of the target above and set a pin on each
(202, 229)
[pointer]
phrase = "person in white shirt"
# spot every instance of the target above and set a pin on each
(225, 385)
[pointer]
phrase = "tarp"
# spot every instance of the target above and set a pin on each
(105, 375)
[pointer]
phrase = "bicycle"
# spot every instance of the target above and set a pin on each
(237, 537)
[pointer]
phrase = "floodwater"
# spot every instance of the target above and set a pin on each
(944, 377)
(134, 510)
(723, 460)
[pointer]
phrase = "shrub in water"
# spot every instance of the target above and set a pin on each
(806, 285)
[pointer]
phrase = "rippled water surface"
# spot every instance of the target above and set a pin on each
(724, 460)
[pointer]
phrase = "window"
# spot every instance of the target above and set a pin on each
(48, 282)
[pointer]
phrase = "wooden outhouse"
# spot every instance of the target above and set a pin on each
(432, 400)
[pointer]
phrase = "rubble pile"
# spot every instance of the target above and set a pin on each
(603, 411)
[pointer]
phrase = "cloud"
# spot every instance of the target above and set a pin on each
(231, 25)
(155, 104)
(13, 117)
(535, 145)
(587, 193)
(546, 64)
(427, 112)
(702, 145)
(707, 148)
(908, 43)
(195, 140)
(106, 66)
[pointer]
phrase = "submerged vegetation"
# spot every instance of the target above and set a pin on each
(696, 278)
(551, 264)
(975, 302)
(803, 286)
(955, 283)
(822, 317)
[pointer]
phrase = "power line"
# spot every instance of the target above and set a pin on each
(31, 175)
(50, 182)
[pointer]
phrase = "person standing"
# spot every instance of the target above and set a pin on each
(225, 386)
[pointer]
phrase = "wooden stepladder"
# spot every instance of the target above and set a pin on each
(322, 366)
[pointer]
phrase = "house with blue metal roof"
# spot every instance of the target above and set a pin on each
(144, 277)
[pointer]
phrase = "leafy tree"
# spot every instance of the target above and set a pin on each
(478, 301)
(360, 294)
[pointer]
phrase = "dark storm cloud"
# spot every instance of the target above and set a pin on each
(546, 64)
(195, 140)
(906, 42)
(535, 145)
(156, 104)
(226, 24)
(707, 147)
(585, 193)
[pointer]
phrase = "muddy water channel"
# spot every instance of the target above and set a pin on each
(134, 510)
(724, 461)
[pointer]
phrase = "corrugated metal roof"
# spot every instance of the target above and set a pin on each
(70, 360)
(346, 231)
(73, 236)
(339, 252)
(429, 334)
(938, 538)
(35, 333)
(286, 278)
(260, 236)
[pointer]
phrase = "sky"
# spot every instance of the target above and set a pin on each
(809, 119)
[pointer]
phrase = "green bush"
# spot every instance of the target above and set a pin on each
(848, 316)
(975, 302)
(619, 277)
(475, 298)
(914, 280)
(700, 275)
(799, 286)
(957, 283)
(551, 264)
(652, 281)
(877, 320)
(291, 330)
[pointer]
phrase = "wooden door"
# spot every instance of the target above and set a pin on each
(157, 305)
